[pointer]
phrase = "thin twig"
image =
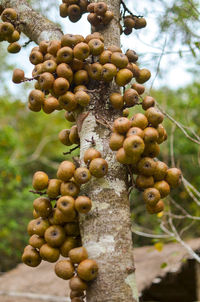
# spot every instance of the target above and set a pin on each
(107, 125)
(27, 43)
(128, 10)
(71, 150)
(37, 192)
(172, 145)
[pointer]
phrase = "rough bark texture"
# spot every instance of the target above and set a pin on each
(106, 230)
(34, 25)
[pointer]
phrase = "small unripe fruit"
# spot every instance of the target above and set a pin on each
(150, 135)
(123, 77)
(31, 256)
(81, 51)
(131, 97)
(78, 254)
(96, 47)
(144, 76)
(122, 125)
(91, 154)
(77, 284)
(40, 180)
(18, 76)
(83, 204)
(159, 207)
(173, 177)
(66, 204)
(69, 243)
(154, 116)
(135, 131)
(42, 206)
(55, 235)
(122, 157)
(64, 137)
(151, 196)
(163, 187)
(116, 141)
(98, 167)
(69, 188)
(87, 270)
(139, 88)
(143, 182)
(133, 145)
(148, 102)
(139, 120)
(119, 59)
(49, 253)
(160, 171)
(64, 269)
(116, 100)
(147, 166)
(82, 175)
(66, 170)
(36, 241)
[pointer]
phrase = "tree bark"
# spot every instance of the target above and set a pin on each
(106, 229)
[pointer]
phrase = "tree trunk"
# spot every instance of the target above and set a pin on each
(106, 229)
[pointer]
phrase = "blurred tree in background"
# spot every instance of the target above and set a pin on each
(28, 141)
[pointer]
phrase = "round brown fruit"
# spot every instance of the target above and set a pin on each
(83, 204)
(98, 167)
(87, 270)
(64, 269)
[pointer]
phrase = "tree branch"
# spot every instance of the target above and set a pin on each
(34, 25)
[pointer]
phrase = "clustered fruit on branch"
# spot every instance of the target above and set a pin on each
(9, 29)
(137, 141)
(54, 231)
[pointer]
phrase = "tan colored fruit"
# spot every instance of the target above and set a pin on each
(135, 131)
(116, 100)
(66, 170)
(64, 55)
(69, 188)
(122, 125)
(98, 167)
(37, 70)
(122, 157)
(119, 59)
(46, 80)
(93, 19)
(53, 47)
(131, 97)
(151, 150)
(78, 254)
(31, 257)
(82, 175)
(96, 47)
(81, 51)
(64, 137)
(163, 187)
(129, 22)
(147, 166)
(50, 104)
(72, 229)
(87, 269)
(64, 269)
(43, 46)
(107, 18)
(40, 180)
(154, 116)
(132, 55)
(82, 98)
(38, 226)
(68, 40)
(64, 70)
(140, 23)
(100, 8)
(63, 8)
(66, 204)
(53, 189)
(116, 141)
(81, 77)
(148, 102)
(123, 77)
(95, 71)
(36, 241)
(105, 57)
(150, 135)
(94, 35)
(67, 101)
(90, 7)
(139, 120)
(55, 235)
(173, 177)
(36, 97)
(74, 13)
(126, 112)
(43, 206)
(77, 284)
(36, 57)
(151, 196)
(91, 154)
(160, 171)
(73, 135)
(18, 76)
(9, 14)
(76, 294)
(143, 182)
(6, 29)
(108, 72)
(70, 116)
(60, 86)
(138, 87)
(133, 145)
(144, 76)
(69, 243)
(14, 37)
(49, 253)
(83, 204)
(159, 207)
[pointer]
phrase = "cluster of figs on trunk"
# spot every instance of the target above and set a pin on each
(136, 142)
(9, 29)
(54, 229)
(63, 70)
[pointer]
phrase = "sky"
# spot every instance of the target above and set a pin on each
(176, 74)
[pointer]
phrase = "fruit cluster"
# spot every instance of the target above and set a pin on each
(63, 70)
(99, 15)
(54, 231)
(137, 141)
(132, 22)
(74, 9)
(9, 30)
